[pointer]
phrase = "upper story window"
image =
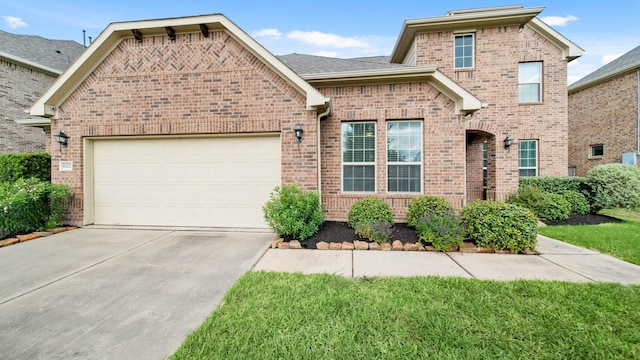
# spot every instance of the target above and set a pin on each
(404, 156)
(528, 157)
(530, 82)
(464, 50)
(597, 151)
(359, 157)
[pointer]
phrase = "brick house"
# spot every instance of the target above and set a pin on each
(604, 120)
(28, 66)
(191, 122)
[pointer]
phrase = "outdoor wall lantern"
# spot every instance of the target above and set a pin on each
(298, 130)
(508, 141)
(61, 138)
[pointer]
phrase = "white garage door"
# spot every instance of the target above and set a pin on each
(211, 182)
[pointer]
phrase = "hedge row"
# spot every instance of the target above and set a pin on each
(26, 165)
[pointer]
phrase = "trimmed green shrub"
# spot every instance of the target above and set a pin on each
(442, 230)
(546, 206)
(554, 184)
(290, 212)
(25, 165)
(378, 231)
(500, 225)
(28, 205)
(426, 205)
(368, 210)
(614, 186)
(579, 203)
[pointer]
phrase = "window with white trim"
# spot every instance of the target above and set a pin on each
(597, 151)
(463, 51)
(528, 157)
(404, 156)
(530, 82)
(359, 157)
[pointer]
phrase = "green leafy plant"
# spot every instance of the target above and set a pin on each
(28, 205)
(368, 210)
(500, 225)
(290, 212)
(554, 184)
(546, 206)
(579, 203)
(614, 186)
(425, 205)
(441, 230)
(25, 165)
(378, 231)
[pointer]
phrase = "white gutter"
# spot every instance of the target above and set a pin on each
(320, 116)
(30, 64)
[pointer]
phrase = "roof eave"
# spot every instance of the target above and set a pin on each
(570, 50)
(578, 86)
(39, 122)
(498, 17)
(465, 102)
(29, 64)
(47, 105)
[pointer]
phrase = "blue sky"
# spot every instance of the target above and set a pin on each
(332, 28)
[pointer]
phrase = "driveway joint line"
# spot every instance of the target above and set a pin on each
(2, 302)
(566, 268)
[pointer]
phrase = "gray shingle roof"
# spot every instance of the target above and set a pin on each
(311, 64)
(55, 54)
(624, 63)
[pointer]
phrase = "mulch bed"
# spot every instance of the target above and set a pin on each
(337, 231)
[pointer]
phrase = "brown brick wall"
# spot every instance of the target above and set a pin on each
(443, 142)
(195, 85)
(606, 113)
(494, 80)
(20, 87)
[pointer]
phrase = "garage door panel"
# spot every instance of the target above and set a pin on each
(184, 181)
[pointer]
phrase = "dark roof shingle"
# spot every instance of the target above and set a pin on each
(55, 54)
(628, 61)
(311, 64)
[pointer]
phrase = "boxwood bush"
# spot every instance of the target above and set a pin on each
(426, 205)
(614, 186)
(554, 184)
(28, 205)
(292, 213)
(25, 165)
(579, 203)
(500, 225)
(546, 206)
(367, 210)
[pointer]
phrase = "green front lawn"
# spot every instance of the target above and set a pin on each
(621, 240)
(295, 316)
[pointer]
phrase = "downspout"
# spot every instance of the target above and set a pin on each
(319, 170)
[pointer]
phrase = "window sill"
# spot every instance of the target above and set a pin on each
(595, 157)
(531, 103)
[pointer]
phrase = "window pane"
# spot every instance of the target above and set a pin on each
(463, 51)
(358, 142)
(358, 178)
(597, 150)
(527, 158)
(530, 82)
(404, 145)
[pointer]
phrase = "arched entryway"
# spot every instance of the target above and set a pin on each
(480, 165)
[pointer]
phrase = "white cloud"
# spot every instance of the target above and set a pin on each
(605, 59)
(558, 20)
(14, 22)
(272, 34)
(319, 39)
(326, 53)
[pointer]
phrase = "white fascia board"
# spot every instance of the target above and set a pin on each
(101, 47)
(41, 123)
(465, 102)
(570, 50)
(29, 64)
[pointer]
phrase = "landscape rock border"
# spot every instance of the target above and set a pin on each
(396, 245)
(34, 235)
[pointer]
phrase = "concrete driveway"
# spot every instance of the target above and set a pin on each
(116, 294)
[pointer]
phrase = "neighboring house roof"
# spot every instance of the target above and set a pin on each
(627, 62)
(478, 18)
(47, 55)
(48, 104)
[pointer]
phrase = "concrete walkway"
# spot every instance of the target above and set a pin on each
(557, 261)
